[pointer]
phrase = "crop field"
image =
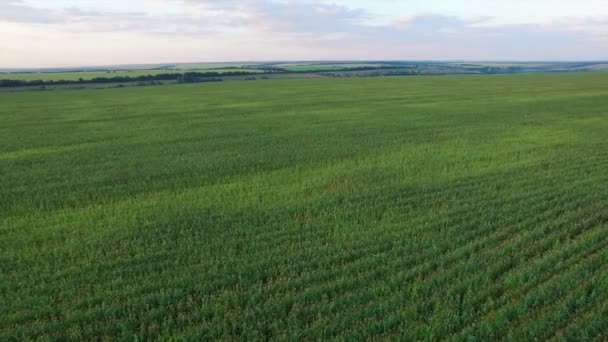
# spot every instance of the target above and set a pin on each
(312, 67)
(205, 66)
(88, 75)
(419, 208)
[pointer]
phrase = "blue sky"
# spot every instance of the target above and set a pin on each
(47, 33)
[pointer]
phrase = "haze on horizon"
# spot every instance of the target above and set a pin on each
(62, 33)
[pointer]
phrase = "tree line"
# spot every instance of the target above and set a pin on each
(187, 77)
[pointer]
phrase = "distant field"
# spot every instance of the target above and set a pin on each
(503, 65)
(404, 208)
(190, 66)
(69, 76)
(596, 67)
(323, 67)
(540, 66)
(301, 68)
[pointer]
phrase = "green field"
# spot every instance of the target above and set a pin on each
(201, 66)
(74, 76)
(294, 67)
(419, 208)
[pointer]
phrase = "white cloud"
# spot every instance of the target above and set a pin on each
(204, 30)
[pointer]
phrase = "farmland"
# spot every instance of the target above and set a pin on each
(417, 207)
(312, 67)
(140, 75)
(88, 75)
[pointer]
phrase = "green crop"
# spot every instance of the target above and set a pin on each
(420, 208)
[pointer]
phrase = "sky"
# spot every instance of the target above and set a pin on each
(63, 33)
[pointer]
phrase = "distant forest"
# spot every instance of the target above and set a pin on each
(187, 77)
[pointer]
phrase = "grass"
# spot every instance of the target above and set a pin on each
(74, 76)
(417, 208)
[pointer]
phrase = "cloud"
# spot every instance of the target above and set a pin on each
(310, 17)
(17, 11)
(285, 19)
(203, 30)
(593, 28)
(480, 39)
(77, 19)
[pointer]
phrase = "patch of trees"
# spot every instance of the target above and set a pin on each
(196, 77)
(499, 70)
(187, 77)
(271, 69)
(344, 69)
(377, 72)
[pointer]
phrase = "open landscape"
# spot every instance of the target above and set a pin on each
(462, 207)
(304, 170)
(315, 68)
(154, 75)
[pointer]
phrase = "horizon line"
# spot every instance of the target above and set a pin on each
(108, 66)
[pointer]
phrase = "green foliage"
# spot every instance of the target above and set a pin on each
(420, 208)
(86, 77)
(186, 77)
